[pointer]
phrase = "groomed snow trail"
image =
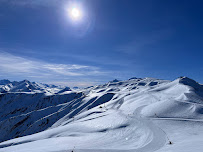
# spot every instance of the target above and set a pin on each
(137, 115)
(126, 132)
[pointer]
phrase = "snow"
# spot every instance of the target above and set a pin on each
(27, 86)
(142, 115)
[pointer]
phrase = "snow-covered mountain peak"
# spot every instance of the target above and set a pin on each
(27, 86)
(65, 90)
(115, 80)
(133, 78)
(188, 81)
(4, 82)
(142, 114)
(25, 81)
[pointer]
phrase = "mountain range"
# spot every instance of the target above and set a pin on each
(27, 86)
(135, 115)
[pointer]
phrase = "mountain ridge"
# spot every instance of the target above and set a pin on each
(27, 86)
(129, 108)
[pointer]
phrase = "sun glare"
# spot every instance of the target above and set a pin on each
(75, 14)
(75, 11)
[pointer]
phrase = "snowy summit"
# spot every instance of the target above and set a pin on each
(136, 115)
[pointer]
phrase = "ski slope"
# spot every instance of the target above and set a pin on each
(136, 115)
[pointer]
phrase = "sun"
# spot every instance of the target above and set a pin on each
(75, 11)
(75, 14)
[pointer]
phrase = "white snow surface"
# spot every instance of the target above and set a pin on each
(137, 115)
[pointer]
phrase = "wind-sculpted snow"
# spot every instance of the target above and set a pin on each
(142, 115)
(24, 111)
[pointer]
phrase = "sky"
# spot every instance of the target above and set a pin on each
(114, 39)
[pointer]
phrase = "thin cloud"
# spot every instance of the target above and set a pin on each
(32, 2)
(19, 66)
(75, 83)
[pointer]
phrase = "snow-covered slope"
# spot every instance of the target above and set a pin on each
(141, 115)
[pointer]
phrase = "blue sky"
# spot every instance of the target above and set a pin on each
(116, 39)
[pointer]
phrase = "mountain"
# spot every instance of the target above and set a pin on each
(139, 114)
(64, 90)
(27, 86)
(4, 82)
